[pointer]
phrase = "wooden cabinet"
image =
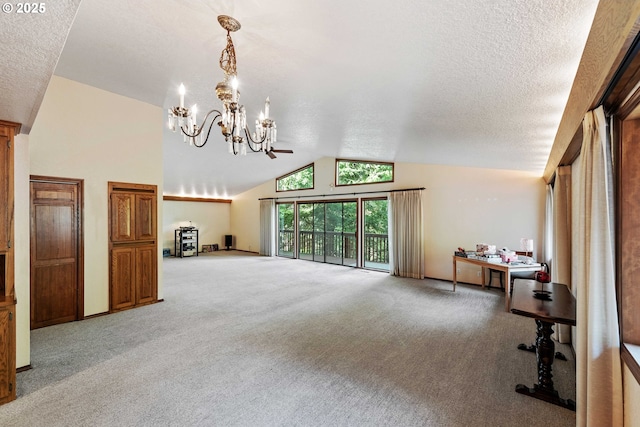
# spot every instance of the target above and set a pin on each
(7, 288)
(133, 217)
(133, 278)
(145, 222)
(7, 352)
(122, 219)
(146, 283)
(122, 278)
(6, 183)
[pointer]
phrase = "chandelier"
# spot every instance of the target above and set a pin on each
(232, 117)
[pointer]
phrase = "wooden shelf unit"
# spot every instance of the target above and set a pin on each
(7, 287)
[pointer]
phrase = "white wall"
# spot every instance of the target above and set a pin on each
(211, 219)
(462, 207)
(86, 133)
(245, 214)
(22, 249)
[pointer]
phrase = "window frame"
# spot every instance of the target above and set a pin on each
(336, 172)
(313, 183)
(629, 325)
(621, 99)
(363, 262)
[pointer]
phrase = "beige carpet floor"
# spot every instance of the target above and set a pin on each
(242, 340)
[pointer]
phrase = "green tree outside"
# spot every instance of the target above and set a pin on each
(300, 180)
(354, 172)
(376, 217)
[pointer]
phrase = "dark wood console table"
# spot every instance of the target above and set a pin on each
(560, 308)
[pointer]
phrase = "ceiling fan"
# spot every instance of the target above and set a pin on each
(271, 152)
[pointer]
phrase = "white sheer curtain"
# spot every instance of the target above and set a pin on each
(598, 371)
(561, 267)
(547, 243)
(267, 227)
(406, 249)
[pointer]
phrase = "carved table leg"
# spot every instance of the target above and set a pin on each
(544, 389)
(532, 349)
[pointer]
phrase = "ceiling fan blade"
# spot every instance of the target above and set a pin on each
(282, 151)
(270, 154)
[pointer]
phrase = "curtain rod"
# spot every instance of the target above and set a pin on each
(340, 194)
(624, 64)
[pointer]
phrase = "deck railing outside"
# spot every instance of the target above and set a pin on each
(335, 244)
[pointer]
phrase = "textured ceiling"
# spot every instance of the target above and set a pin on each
(464, 82)
(30, 44)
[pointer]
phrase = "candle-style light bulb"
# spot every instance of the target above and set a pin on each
(195, 112)
(234, 91)
(181, 91)
(261, 116)
(266, 108)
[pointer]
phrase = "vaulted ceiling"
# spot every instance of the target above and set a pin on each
(464, 82)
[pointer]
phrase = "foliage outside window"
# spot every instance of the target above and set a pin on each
(286, 230)
(376, 216)
(301, 179)
(352, 172)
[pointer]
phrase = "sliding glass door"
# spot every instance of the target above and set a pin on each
(327, 232)
(376, 234)
(286, 230)
(340, 233)
(305, 231)
(318, 232)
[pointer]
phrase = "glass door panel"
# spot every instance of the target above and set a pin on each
(318, 232)
(349, 228)
(286, 233)
(305, 231)
(327, 232)
(333, 232)
(376, 234)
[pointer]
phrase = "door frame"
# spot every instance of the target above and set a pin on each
(362, 223)
(79, 183)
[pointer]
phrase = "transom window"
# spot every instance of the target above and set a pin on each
(354, 172)
(300, 179)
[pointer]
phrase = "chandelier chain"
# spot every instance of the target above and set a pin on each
(228, 58)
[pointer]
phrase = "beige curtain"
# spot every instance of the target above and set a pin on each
(406, 249)
(267, 227)
(561, 266)
(598, 371)
(547, 241)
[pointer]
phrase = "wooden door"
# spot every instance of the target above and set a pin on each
(56, 267)
(123, 277)
(146, 281)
